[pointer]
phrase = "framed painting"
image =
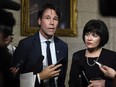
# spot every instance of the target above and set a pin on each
(67, 25)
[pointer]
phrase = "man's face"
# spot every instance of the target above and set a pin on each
(48, 23)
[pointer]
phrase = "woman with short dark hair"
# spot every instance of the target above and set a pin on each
(84, 70)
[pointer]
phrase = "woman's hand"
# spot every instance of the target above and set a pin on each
(97, 83)
(109, 72)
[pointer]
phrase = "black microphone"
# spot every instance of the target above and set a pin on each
(82, 68)
(9, 4)
(19, 64)
(80, 80)
(85, 77)
(10, 22)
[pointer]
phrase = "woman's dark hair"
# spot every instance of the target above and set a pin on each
(51, 6)
(98, 27)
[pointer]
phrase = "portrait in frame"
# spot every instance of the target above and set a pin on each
(67, 25)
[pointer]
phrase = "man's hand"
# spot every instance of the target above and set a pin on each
(50, 71)
(14, 70)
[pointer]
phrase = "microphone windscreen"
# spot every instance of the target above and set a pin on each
(107, 7)
(9, 4)
(7, 18)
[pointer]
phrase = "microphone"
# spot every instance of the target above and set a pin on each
(10, 22)
(82, 68)
(80, 79)
(9, 4)
(85, 77)
(19, 64)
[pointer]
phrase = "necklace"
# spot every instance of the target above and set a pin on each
(93, 63)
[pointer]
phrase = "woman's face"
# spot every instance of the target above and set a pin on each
(92, 40)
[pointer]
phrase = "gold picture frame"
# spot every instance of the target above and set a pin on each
(27, 30)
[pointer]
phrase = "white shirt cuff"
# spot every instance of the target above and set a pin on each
(38, 78)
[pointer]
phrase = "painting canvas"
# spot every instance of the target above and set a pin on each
(67, 25)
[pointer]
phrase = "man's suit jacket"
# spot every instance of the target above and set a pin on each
(29, 50)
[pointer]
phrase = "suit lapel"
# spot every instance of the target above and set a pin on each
(36, 51)
(58, 49)
(37, 45)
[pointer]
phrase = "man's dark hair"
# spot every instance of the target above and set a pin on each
(98, 27)
(51, 6)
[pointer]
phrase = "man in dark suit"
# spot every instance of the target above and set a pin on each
(7, 22)
(30, 49)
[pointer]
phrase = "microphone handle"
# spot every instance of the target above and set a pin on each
(80, 79)
(19, 64)
(85, 77)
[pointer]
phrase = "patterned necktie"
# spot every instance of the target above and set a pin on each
(51, 80)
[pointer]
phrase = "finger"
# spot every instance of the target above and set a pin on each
(102, 69)
(91, 85)
(57, 66)
(55, 73)
(51, 66)
(105, 67)
(17, 70)
(13, 69)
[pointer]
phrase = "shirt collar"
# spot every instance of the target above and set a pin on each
(43, 39)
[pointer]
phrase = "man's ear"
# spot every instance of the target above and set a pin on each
(39, 21)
